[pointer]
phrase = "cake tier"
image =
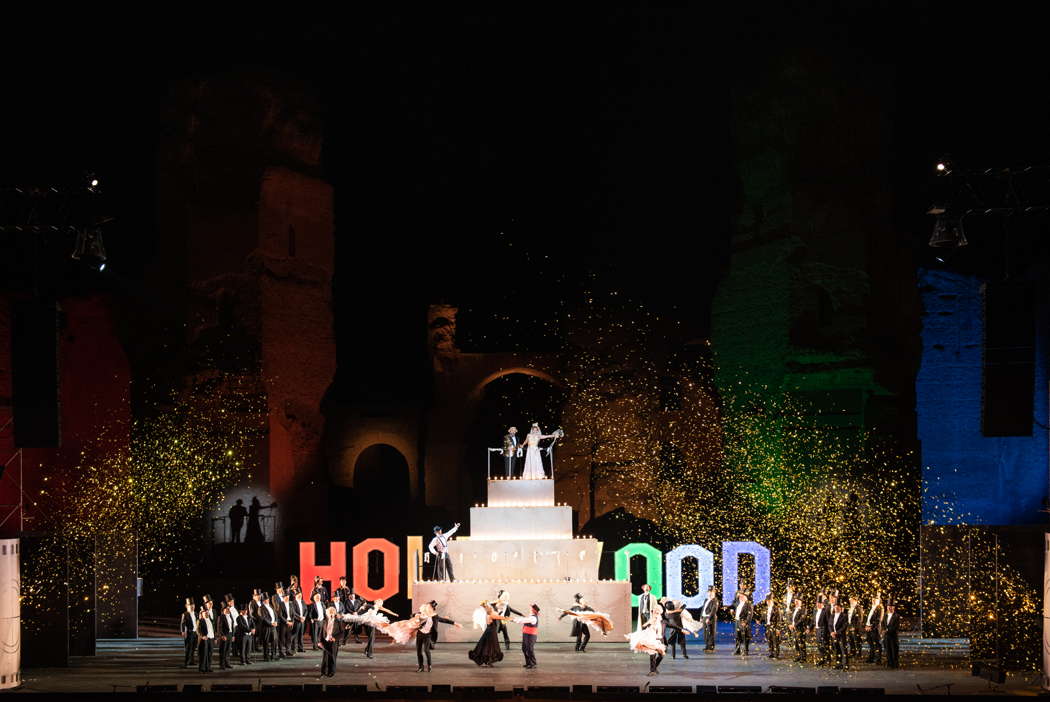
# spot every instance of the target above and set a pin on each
(521, 493)
(518, 523)
(458, 600)
(526, 559)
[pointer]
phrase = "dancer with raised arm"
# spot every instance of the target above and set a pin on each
(442, 568)
(428, 620)
(580, 631)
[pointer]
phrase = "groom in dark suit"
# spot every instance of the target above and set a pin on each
(510, 451)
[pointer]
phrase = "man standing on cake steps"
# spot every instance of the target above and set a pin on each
(510, 451)
(442, 569)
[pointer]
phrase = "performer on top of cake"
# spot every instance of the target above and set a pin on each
(442, 568)
(533, 461)
(487, 651)
(510, 451)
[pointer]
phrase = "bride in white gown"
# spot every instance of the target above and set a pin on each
(533, 461)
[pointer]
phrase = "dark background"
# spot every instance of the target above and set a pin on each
(545, 152)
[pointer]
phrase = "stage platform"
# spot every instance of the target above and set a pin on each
(935, 667)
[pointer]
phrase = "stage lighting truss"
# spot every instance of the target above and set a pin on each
(991, 192)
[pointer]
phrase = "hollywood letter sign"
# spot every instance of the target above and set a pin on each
(655, 561)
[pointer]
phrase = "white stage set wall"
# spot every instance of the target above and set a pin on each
(522, 542)
(10, 615)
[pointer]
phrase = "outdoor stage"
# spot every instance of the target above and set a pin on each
(934, 667)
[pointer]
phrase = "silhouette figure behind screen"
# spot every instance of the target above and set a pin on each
(237, 515)
(254, 534)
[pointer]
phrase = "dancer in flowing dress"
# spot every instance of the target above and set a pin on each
(648, 638)
(488, 651)
(533, 461)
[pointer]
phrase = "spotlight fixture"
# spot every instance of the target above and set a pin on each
(92, 183)
(89, 245)
(947, 232)
(943, 166)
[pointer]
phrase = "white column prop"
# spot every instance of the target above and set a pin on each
(10, 615)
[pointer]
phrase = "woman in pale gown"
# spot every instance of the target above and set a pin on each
(648, 638)
(533, 460)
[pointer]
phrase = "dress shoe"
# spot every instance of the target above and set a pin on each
(419, 669)
(428, 667)
(736, 652)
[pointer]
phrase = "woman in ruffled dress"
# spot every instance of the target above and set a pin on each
(533, 460)
(488, 650)
(648, 638)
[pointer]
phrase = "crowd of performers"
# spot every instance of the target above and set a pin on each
(274, 627)
(836, 626)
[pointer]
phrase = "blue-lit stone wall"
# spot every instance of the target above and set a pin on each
(984, 480)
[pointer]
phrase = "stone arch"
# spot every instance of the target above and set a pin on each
(400, 442)
(479, 388)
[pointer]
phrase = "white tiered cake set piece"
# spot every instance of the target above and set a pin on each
(522, 542)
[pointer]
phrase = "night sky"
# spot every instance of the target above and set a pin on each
(512, 162)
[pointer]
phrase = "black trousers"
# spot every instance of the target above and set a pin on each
(773, 640)
(892, 646)
(854, 638)
(423, 646)
(506, 635)
(743, 636)
(242, 646)
(654, 661)
(297, 635)
(257, 640)
(823, 642)
(800, 644)
(190, 644)
(442, 569)
(528, 649)
(710, 632)
(269, 641)
(583, 636)
(874, 645)
(370, 645)
(328, 658)
(224, 652)
(284, 638)
(674, 636)
(840, 646)
(315, 633)
(204, 655)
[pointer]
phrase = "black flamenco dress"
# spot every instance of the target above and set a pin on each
(488, 650)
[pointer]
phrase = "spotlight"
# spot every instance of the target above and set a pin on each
(944, 166)
(92, 183)
(947, 232)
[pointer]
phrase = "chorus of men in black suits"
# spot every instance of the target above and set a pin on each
(271, 626)
(838, 628)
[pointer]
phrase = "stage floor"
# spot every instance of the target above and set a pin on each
(928, 668)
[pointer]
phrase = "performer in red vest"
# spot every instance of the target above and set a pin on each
(530, 627)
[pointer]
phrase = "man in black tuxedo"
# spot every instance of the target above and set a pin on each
(504, 609)
(890, 627)
(797, 624)
(244, 631)
(188, 631)
(580, 631)
(839, 628)
(226, 633)
(319, 588)
(346, 605)
(742, 616)
(253, 609)
(822, 633)
(205, 640)
(674, 632)
(510, 451)
(316, 614)
(268, 630)
(645, 606)
(285, 623)
(709, 616)
(331, 635)
(770, 614)
(856, 628)
(298, 608)
(873, 630)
